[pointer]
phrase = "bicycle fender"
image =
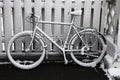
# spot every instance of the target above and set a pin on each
(94, 30)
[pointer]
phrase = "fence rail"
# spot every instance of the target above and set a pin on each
(13, 15)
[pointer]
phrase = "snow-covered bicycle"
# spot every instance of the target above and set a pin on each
(86, 46)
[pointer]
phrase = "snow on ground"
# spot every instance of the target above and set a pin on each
(114, 71)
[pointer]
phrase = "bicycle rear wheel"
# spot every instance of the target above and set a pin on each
(87, 50)
(18, 55)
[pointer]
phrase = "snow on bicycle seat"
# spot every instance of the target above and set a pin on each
(76, 13)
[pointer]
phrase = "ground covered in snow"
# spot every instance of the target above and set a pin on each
(114, 70)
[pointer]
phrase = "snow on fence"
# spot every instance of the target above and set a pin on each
(13, 15)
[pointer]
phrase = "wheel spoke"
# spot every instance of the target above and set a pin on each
(95, 42)
(86, 40)
(91, 55)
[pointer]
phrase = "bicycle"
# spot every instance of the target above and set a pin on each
(86, 46)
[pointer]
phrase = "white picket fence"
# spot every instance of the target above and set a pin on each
(13, 16)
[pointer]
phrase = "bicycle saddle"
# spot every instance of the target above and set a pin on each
(76, 13)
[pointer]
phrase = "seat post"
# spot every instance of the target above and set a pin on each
(73, 19)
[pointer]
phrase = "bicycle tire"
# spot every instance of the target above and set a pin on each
(23, 66)
(72, 46)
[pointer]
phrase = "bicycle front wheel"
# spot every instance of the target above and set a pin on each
(88, 48)
(18, 55)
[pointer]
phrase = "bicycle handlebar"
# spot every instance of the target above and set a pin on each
(32, 18)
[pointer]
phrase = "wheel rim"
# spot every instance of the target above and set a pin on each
(26, 60)
(87, 57)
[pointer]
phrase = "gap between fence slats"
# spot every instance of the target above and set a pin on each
(104, 10)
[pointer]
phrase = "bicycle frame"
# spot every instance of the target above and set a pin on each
(63, 49)
(85, 46)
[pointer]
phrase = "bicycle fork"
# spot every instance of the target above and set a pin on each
(33, 35)
(64, 55)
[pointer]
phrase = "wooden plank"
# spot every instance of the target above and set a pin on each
(48, 17)
(57, 28)
(27, 25)
(27, 11)
(96, 16)
(67, 17)
(18, 25)
(57, 18)
(104, 10)
(0, 30)
(17, 16)
(7, 21)
(78, 6)
(38, 7)
(87, 13)
(38, 11)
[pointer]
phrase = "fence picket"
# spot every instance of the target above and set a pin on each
(48, 17)
(38, 11)
(7, 21)
(87, 13)
(0, 30)
(96, 16)
(67, 9)
(78, 6)
(27, 11)
(38, 7)
(18, 25)
(57, 28)
(27, 25)
(17, 16)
